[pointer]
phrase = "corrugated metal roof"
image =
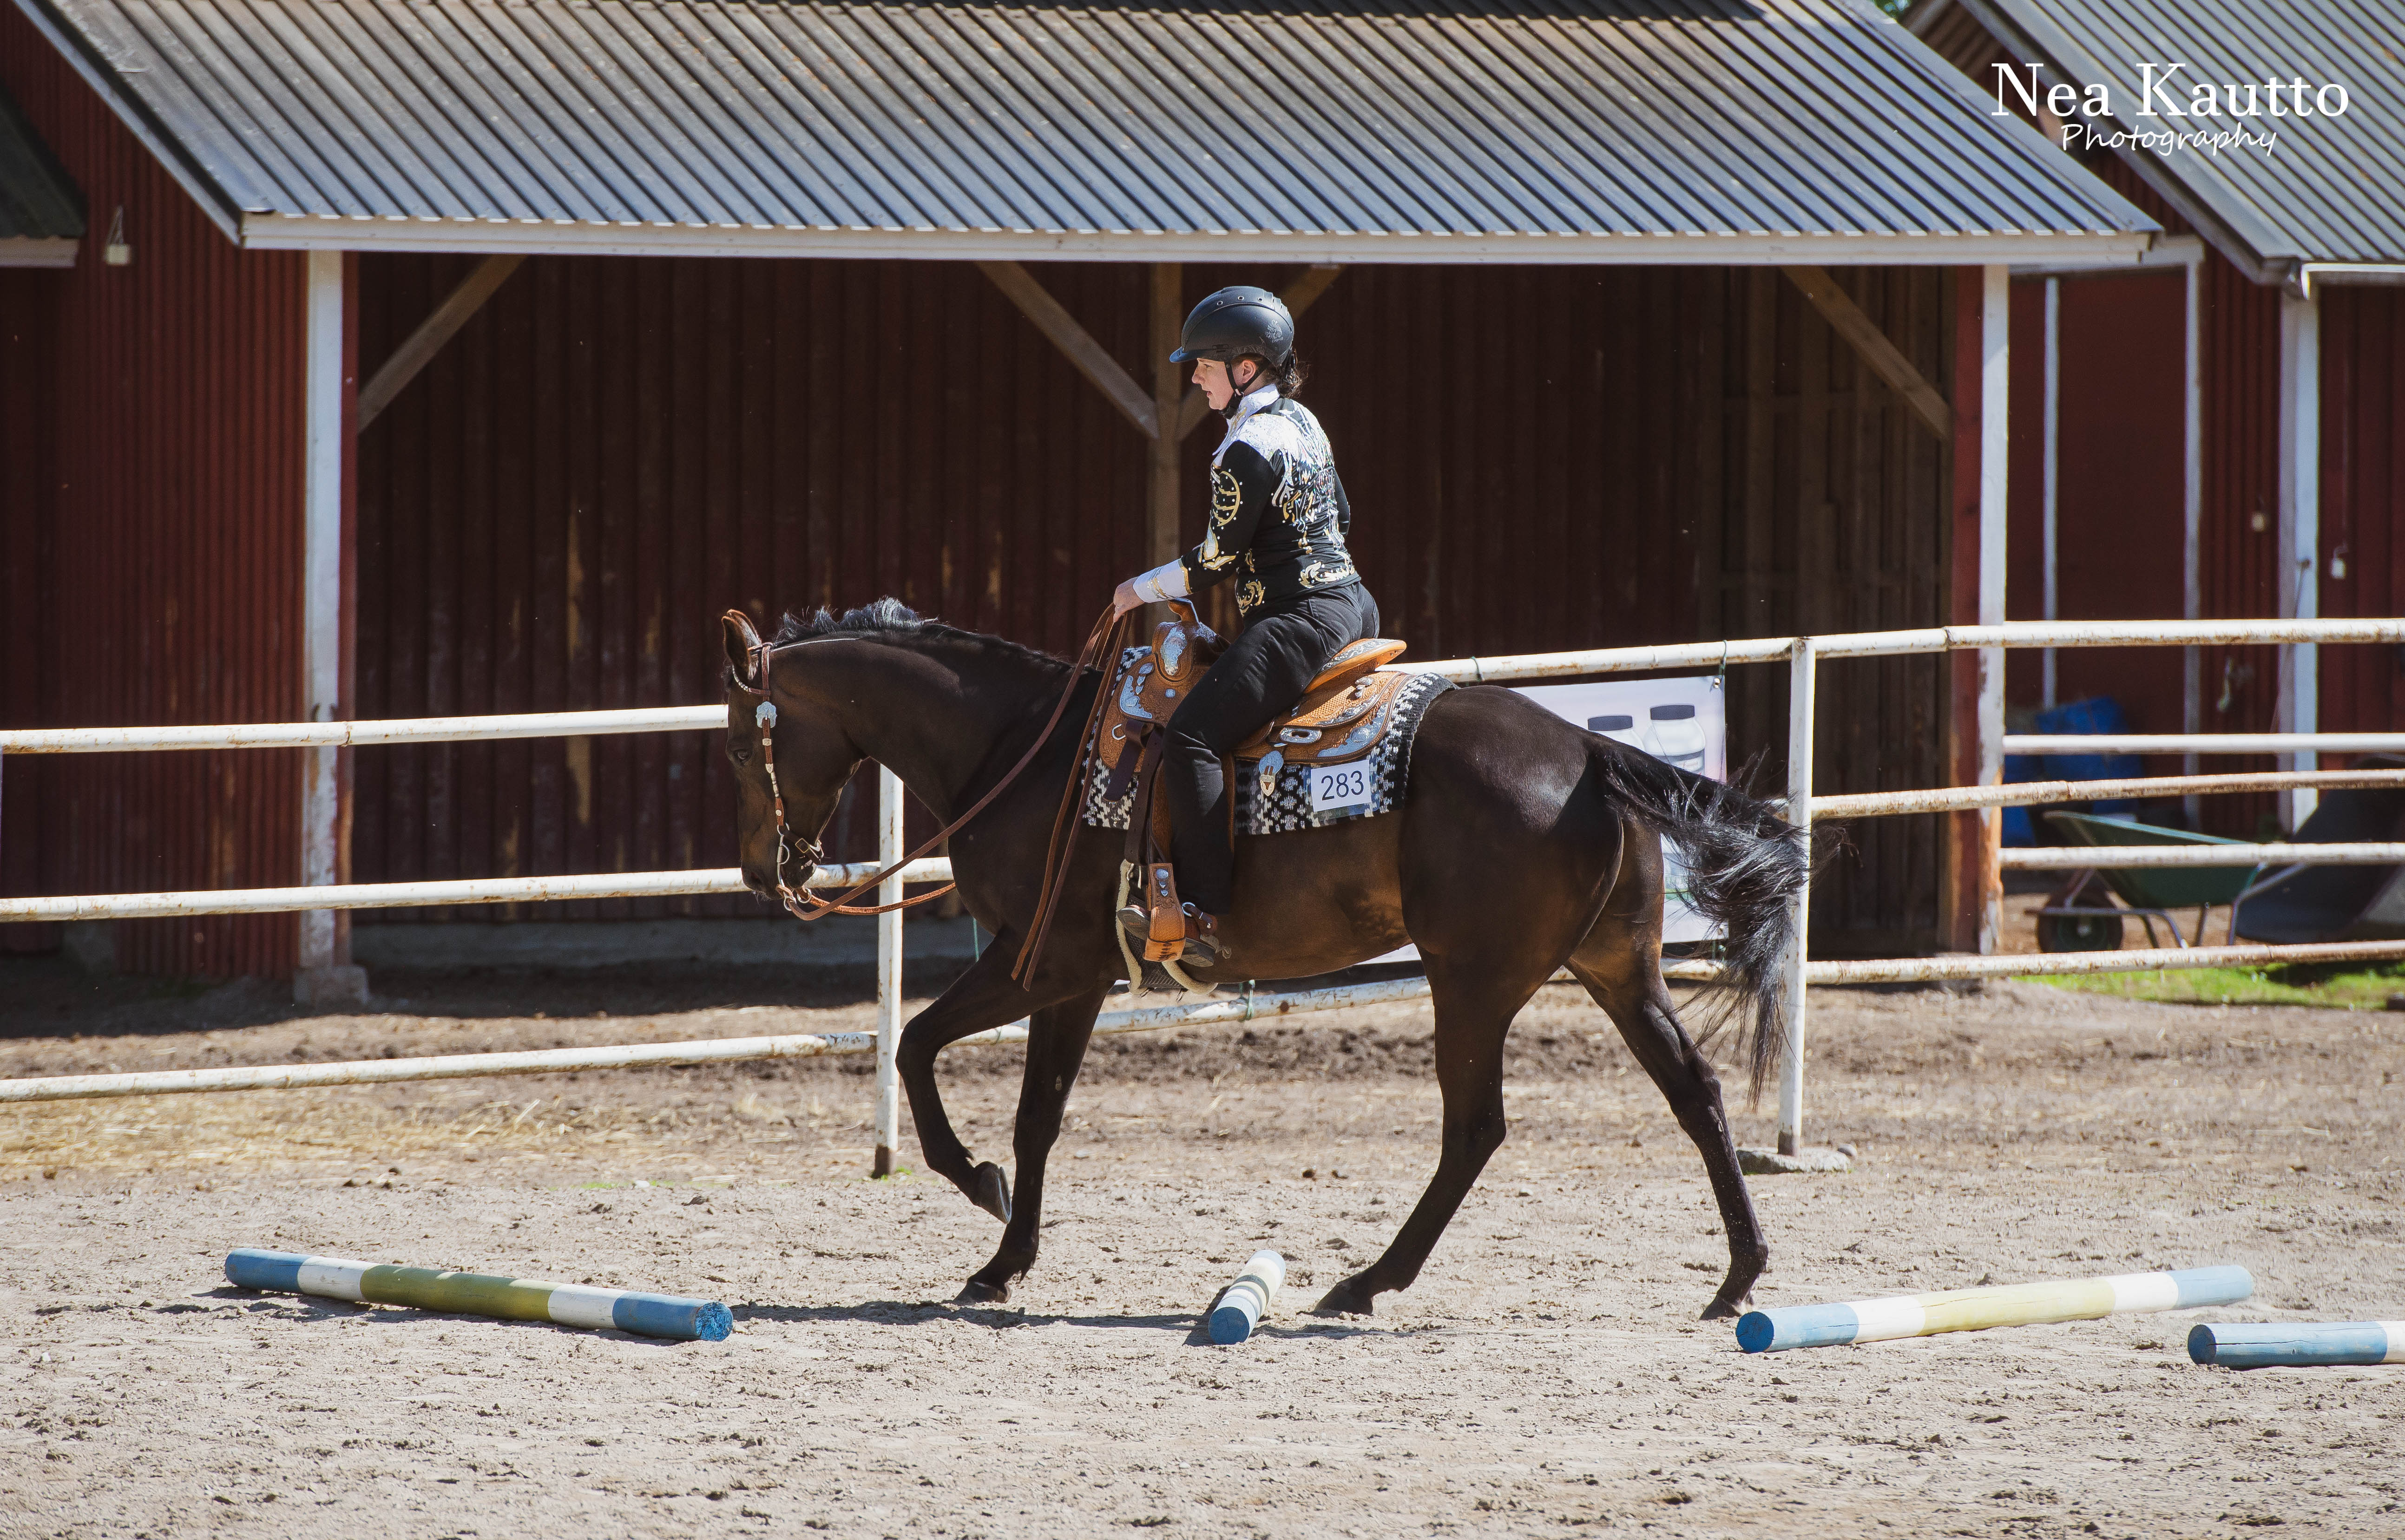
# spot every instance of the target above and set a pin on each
(2328, 190)
(1491, 129)
(41, 213)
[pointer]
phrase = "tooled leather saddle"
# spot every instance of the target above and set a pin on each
(1342, 716)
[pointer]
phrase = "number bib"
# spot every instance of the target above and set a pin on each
(1337, 787)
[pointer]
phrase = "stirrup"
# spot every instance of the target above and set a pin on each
(1204, 946)
(1137, 923)
(1201, 947)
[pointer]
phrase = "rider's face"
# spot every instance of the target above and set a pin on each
(1217, 388)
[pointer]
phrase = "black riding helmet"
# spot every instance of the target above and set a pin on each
(1235, 323)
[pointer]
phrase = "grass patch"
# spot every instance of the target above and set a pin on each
(2329, 985)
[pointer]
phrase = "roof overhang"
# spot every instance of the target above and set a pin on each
(27, 251)
(273, 233)
(2169, 251)
(2374, 275)
(1723, 133)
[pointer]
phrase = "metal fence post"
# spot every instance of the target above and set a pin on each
(888, 970)
(1799, 813)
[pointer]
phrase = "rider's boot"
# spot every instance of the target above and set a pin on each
(1202, 944)
(1205, 946)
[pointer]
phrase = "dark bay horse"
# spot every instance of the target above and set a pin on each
(1524, 844)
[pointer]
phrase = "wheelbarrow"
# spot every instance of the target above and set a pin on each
(2079, 919)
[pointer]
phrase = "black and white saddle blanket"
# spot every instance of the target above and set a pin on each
(1274, 796)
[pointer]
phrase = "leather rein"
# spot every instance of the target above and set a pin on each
(805, 905)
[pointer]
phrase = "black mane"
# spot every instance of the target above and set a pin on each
(891, 617)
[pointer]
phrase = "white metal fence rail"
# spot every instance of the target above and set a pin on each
(1803, 654)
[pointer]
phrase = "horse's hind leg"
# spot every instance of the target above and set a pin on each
(1057, 1036)
(1473, 1013)
(981, 999)
(1624, 976)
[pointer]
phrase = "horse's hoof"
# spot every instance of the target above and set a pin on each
(977, 1292)
(1721, 1309)
(992, 1191)
(1346, 1298)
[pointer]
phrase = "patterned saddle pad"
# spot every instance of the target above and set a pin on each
(1343, 753)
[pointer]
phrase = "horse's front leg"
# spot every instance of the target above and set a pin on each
(1055, 1046)
(979, 1000)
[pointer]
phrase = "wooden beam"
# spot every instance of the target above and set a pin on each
(1299, 292)
(431, 333)
(1885, 359)
(1164, 505)
(1307, 285)
(1099, 368)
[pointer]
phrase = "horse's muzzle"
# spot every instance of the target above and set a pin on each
(764, 885)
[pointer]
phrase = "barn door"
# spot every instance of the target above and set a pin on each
(1831, 498)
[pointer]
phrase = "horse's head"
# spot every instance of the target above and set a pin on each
(782, 744)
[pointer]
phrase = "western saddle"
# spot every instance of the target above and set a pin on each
(1340, 719)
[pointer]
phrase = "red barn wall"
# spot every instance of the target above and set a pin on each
(615, 450)
(2363, 499)
(2120, 486)
(2240, 323)
(160, 559)
(28, 430)
(2239, 522)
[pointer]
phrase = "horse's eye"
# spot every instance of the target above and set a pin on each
(740, 752)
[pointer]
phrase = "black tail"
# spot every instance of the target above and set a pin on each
(1744, 863)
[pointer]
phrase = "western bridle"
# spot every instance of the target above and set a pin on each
(801, 902)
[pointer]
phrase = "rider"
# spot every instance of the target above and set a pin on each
(1277, 525)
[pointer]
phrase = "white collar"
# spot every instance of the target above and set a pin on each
(1256, 400)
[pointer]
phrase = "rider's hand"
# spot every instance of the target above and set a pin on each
(1123, 598)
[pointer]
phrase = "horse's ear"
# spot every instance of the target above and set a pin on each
(742, 647)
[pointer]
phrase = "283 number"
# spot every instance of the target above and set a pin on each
(1340, 788)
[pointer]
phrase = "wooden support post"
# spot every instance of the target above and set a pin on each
(1163, 525)
(2298, 574)
(1802, 678)
(1995, 401)
(1863, 336)
(1100, 368)
(1972, 917)
(325, 975)
(891, 808)
(1958, 898)
(426, 341)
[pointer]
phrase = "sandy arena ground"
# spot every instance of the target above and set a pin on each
(1546, 1377)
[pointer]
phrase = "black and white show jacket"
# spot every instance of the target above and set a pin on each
(1278, 513)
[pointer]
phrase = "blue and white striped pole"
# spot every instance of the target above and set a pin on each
(1240, 1309)
(480, 1293)
(1977, 1309)
(2295, 1344)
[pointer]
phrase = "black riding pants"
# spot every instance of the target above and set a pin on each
(1265, 671)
